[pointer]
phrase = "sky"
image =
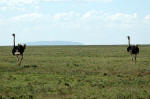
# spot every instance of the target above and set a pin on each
(91, 22)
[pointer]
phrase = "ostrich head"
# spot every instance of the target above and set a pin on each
(128, 40)
(14, 38)
(128, 37)
(13, 34)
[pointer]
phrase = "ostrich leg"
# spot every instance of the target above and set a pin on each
(21, 60)
(17, 59)
(131, 57)
(135, 58)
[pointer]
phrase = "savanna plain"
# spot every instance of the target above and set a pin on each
(75, 72)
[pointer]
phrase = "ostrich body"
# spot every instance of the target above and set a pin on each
(133, 50)
(18, 51)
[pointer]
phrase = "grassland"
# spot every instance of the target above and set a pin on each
(75, 72)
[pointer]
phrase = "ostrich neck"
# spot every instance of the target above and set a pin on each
(14, 41)
(129, 42)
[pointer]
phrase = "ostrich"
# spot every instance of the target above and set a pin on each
(132, 49)
(18, 51)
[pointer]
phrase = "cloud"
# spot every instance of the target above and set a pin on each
(57, 17)
(18, 5)
(26, 2)
(147, 17)
(123, 16)
(90, 16)
(11, 8)
(67, 16)
(90, 19)
(77, 0)
(18, 2)
(23, 5)
(103, 17)
(28, 17)
(95, 0)
(57, 0)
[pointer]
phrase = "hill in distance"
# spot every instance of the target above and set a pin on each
(44, 43)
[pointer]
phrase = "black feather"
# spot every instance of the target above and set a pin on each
(133, 49)
(19, 48)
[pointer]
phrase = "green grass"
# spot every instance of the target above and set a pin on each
(75, 72)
